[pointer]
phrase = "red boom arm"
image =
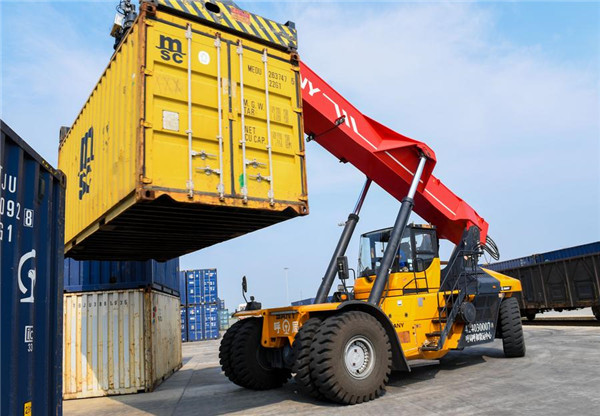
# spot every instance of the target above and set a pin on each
(388, 158)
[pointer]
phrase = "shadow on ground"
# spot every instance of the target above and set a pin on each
(206, 391)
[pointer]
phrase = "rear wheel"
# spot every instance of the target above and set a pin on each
(596, 310)
(247, 359)
(302, 343)
(511, 328)
(530, 314)
(350, 358)
(225, 350)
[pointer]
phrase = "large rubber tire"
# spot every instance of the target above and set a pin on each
(225, 358)
(301, 350)
(596, 311)
(328, 358)
(511, 328)
(249, 366)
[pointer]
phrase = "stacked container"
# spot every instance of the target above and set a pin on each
(223, 319)
(201, 306)
(31, 256)
(121, 326)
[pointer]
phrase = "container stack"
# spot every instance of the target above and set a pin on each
(200, 307)
(223, 319)
(31, 255)
(121, 326)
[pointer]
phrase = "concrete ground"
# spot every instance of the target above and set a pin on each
(560, 375)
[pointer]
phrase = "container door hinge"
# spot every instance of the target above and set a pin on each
(148, 22)
(145, 180)
(146, 124)
(148, 72)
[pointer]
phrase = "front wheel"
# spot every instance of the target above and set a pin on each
(351, 358)
(511, 328)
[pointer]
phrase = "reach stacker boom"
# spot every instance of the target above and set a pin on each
(404, 305)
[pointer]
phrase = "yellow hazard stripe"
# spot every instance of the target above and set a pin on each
(257, 25)
(234, 24)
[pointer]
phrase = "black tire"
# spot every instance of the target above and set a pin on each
(328, 352)
(225, 350)
(511, 328)
(249, 365)
(596, 310)
(301, 350)
(530, 314)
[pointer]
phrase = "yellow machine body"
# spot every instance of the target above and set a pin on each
(412, 315)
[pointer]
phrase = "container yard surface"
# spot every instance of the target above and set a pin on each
(31, 279)
(138, 186)
(559, 375)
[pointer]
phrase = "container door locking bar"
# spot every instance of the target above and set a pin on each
(240, 52)
(189, 131)
(220, 187)
(268, 110)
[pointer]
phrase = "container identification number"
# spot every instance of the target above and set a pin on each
(10, 209)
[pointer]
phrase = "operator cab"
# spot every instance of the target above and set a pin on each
(418, 249)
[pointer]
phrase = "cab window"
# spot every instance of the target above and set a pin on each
(418, 248)
(425, 243)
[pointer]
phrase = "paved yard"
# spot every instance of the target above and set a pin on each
(559, 376)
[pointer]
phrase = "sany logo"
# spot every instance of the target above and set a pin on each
(349, 120)
(30, 274)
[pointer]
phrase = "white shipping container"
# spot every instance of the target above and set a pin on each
(119, 342)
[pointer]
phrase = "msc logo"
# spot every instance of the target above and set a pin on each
(85, 161)
(170, 49)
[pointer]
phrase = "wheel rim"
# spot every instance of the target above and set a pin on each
(359, 357)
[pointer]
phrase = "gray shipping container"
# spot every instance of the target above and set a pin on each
(119, 342)
(31, 280)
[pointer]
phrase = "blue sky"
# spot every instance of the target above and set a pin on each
(506, 93)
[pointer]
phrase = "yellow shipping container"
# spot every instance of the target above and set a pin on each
(192, 136)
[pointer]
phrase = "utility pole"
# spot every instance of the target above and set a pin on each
(287, 286)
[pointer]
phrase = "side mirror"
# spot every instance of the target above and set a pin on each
(244, 288)
(342, 268)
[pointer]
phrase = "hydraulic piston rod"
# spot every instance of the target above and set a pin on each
(342, 246)
(395, 236)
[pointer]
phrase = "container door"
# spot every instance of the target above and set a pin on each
(175, 161)
(267, 132)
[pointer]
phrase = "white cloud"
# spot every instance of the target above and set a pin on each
(516, 132)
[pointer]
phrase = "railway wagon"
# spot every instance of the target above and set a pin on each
(565, 279)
